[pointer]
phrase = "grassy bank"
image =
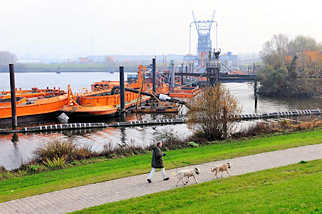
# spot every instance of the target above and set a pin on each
(291, 189)
(19, 187)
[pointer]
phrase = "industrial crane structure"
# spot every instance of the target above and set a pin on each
(203, 28)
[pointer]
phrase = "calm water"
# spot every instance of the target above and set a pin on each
(12, 155)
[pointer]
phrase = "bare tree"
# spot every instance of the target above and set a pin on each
(301, 44)
(211, 112)
(275, 51)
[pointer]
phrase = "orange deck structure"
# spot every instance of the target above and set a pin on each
(101, 105)
(34, 92)
(32, 103)
(184, 92)
(104, 99)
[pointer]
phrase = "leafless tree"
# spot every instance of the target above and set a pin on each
(211, 112)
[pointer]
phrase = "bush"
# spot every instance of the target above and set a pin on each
(56, 149)
(2, 169)
(55, 163)
(69, 151)
(211, 112)
(84, 152)
(122, 150)
(34, 168)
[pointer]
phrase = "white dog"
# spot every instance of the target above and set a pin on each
(187, 173)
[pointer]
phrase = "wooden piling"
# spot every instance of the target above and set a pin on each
(153, 75)
(13, 97)
(255, 94)
(172, 76)
(122, 90)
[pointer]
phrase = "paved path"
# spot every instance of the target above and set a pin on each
(95, 194)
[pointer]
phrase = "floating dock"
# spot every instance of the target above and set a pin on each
(70, 126)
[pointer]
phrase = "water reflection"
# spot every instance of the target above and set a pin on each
(14, 138)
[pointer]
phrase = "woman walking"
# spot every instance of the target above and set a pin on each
(157, 162)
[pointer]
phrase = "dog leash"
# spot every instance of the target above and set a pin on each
(176, 166)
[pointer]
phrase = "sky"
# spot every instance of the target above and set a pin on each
(70, 28)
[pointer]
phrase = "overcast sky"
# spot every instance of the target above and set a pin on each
(69, 28)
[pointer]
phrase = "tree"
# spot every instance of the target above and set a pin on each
(320, 46)
(211, 112)
(285, 63)
(301, 44)
(7, 58)
(275, 50)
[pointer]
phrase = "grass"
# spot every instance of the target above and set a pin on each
(291, 189)
(19, 187)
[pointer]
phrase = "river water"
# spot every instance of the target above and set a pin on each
(12, 155)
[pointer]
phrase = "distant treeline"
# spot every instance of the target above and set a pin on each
(287, 66)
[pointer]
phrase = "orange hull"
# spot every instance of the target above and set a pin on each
(91, 110)
(40, 106)
(102, 105)
(181, 95)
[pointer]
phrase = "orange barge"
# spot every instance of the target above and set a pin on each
(32, 104)
(104, 98)
(101, 104)
(184, 92)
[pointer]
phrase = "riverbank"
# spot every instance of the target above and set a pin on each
(100, 169)
(294, 188)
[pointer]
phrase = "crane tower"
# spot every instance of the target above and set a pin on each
(203, 28)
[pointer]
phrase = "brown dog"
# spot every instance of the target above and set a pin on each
(221, 169)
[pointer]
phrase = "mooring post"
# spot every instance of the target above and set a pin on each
(153, 75)
(122, 90)
(172, 84)
(13, 96)
(14, 138)
(182, 70)
(255, 94)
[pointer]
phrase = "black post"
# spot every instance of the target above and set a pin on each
(255, 103)
(153, 75)
(255, 94)
(172, 83)
(182, 83)
(122, 90)
(13, 96)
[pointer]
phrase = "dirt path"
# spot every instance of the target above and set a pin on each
(95, 194)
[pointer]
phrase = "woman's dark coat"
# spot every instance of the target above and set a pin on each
(157, 161)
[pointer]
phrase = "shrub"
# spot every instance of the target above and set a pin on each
(256, 129)
(34, 168)
(108, 150)
(69, 151)
(122, 150)
(84, 152)
(56, 149)
(2, 169)
(212, 111)
(55, 163)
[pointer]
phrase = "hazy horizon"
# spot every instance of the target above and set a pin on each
(43, 28)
